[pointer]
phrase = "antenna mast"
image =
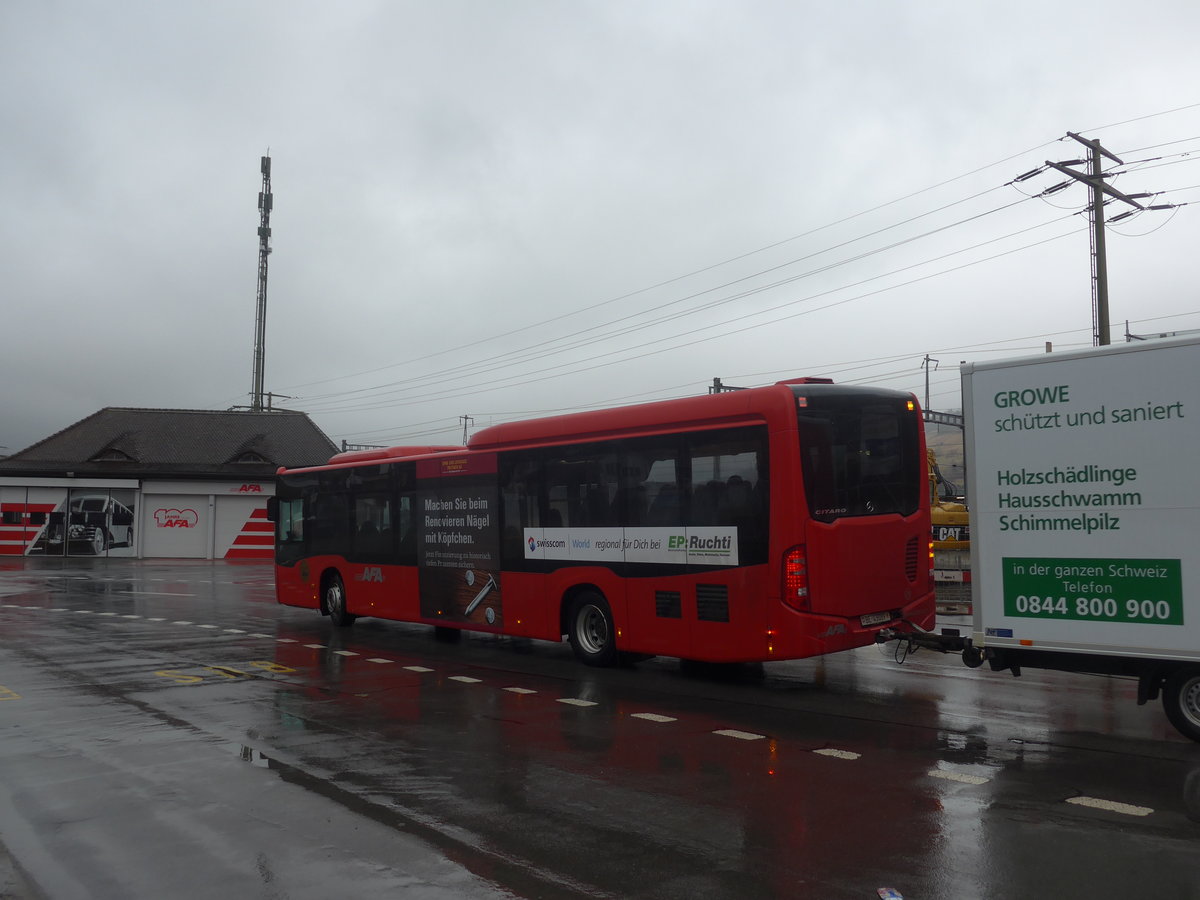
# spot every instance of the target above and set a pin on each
(260, 320)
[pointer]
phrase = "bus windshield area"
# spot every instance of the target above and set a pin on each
(860, 454)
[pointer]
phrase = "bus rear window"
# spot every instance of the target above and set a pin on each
(860, 455)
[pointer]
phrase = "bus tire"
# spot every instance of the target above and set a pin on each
(335, 602)
(1181, 700)
(590, 630)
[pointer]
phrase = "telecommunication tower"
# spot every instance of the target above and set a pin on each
(264, 251)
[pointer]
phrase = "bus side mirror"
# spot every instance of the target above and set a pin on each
(272, 509)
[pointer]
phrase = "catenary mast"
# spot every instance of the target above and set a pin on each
(260, 319)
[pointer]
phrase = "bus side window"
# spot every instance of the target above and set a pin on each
(581, 484)
(374, 537)
(652, 487)
(406, 524)
(520, 503)
(732, 488)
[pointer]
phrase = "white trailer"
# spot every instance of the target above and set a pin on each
(1085, 517)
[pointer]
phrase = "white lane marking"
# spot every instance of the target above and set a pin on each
(960, 777)
(315, 646)
(740, 735)
(206, 626)
(106, 614)
(379, 659)
(344, 653)
(1124, 809)
(257, 635)
(156, 619)
(838, 754)
(517, 690)
(654, 717)
(152, 594)
(465, 679)
(573, 701)
(130, 616)
(418, 668)
(285, 641)
(234, 630)
(181, 622)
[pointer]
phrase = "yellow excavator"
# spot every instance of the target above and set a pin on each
(951, 544)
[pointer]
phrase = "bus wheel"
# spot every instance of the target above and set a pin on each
(1181, 701)
(335, 602)
(590, 630)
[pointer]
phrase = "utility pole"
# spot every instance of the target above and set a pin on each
(718, 387)
(265, 202)
(467, 422)
(1095, 180)
(271, 399)
(925, 365)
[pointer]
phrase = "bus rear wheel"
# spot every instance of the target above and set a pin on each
(1181, 701)
(590, 630)
(335, 602)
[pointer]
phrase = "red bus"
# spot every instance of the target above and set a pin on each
(772, 523)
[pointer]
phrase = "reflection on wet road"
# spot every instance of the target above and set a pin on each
(169, 728)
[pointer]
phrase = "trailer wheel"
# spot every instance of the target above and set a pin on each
(1181, 701)
(335, 602)
(590, 630)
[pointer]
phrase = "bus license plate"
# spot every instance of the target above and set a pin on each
(875, 618)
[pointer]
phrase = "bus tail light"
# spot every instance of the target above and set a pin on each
(795, 578)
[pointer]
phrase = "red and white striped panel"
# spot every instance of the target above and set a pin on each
(18, 536)
(256, 540)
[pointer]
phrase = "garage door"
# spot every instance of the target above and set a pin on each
(175, 525)
(243, 531)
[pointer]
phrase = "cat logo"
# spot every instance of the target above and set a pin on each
(370, 573)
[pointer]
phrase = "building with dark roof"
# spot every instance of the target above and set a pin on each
(154, 483)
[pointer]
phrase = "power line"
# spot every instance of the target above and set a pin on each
(517, 379)
(540, 349)
(577, 339)
(690, 274)
(472, 370)
(827, 369)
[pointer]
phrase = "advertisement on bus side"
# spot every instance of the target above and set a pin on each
(458, 534)
(683, 545)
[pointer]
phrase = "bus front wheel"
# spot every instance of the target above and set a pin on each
(335, 602)
(590, 630)
(1181, 700)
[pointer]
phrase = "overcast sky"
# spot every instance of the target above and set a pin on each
(501, 209)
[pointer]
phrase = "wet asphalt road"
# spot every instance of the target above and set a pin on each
(166, 729)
